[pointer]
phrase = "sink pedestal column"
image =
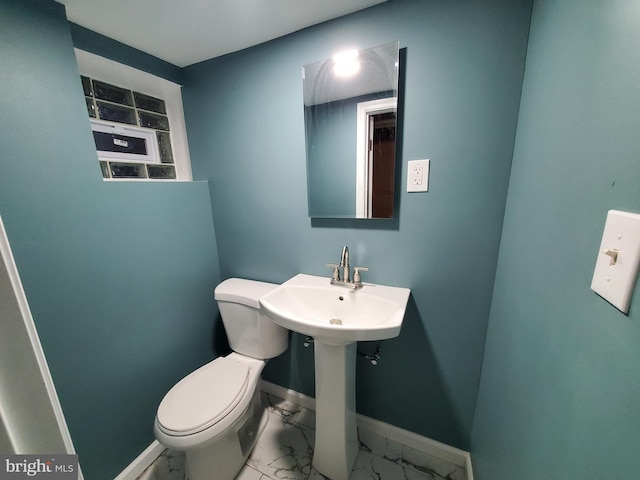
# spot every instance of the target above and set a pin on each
(336, 434)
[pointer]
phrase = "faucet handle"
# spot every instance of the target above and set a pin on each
(336, 273)
(357, 281)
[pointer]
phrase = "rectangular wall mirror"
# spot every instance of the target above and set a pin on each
(350, 105)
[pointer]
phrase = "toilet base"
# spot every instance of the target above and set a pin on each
(224, 458)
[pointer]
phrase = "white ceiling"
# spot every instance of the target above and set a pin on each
(189, 31)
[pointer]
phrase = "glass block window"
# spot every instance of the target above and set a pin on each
(151, 104)
(127, 170)
(161, 171)
(131, 131)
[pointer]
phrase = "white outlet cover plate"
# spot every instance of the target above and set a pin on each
(424, 185)
(615, 280)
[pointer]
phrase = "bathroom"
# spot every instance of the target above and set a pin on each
(529, 114)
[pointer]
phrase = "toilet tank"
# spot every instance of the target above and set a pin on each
(249, 331)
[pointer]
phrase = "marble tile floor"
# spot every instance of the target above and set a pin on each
(284, 452)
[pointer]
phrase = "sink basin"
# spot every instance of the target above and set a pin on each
(335, 314)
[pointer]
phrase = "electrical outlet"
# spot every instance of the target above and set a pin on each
(418, 175)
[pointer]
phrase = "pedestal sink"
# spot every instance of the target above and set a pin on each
(336, 317)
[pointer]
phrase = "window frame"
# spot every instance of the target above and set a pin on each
(149, 136)
(109, 71)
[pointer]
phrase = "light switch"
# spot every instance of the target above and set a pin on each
(617, 263)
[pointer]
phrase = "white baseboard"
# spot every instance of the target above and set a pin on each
(142, 462)
(437, 449)
(468, 467)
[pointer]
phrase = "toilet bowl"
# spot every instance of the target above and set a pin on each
(215, 414)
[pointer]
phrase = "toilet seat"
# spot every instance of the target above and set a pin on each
(203, 398)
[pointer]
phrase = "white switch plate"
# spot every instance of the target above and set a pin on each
(617, 264)
(418, 175)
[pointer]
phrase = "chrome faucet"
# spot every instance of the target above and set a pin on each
(342, 271)
(344, 265)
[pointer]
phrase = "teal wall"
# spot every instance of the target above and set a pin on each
(93, 42)
(560, 384)
(464, 63)
(119, 276)
(331, 152)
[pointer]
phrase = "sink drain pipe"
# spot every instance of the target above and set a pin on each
(372, 357)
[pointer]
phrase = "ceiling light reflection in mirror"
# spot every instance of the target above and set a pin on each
(346, 64)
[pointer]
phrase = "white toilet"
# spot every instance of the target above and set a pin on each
(214, 414)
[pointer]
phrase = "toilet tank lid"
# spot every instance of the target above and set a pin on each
(243, 291)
